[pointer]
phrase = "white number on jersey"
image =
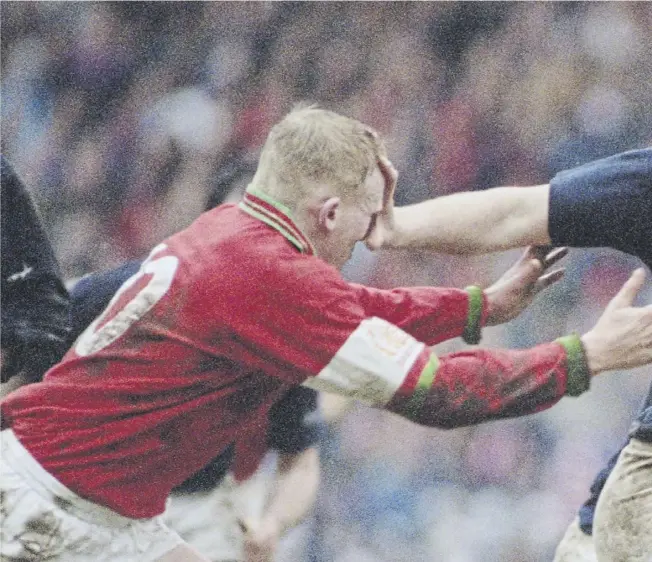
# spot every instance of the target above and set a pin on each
(133, 300)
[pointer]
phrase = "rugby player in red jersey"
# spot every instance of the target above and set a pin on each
(238, 506)
(224, 317)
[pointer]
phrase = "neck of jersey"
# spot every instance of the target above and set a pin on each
(276, 216)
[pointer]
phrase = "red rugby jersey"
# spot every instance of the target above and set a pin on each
(220, 321)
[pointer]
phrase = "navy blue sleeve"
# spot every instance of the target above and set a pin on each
(294, 422)
(34, 300)
(92, 293)
(607, 202)
(642, 427)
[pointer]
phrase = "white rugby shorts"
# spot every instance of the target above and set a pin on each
(41, 519)
(209, 520)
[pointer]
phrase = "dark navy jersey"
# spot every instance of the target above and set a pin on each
(34, 301)
(587, 511)
(293, 425)
(642, 426)
(92, 293)
(607, 202)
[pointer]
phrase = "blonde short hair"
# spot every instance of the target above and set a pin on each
(312, 146)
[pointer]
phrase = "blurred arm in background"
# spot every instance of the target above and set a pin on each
(292, 498)
(294, 431)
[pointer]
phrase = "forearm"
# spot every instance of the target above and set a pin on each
(475, 222)
(459, 313)
(476, 386)
(295, 490)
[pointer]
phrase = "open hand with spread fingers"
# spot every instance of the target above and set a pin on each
(521, 283)
(622, 337)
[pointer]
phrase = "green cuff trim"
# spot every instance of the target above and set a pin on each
(426, 378)
(473, 330)
(578, 378)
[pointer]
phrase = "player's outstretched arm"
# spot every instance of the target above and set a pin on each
(606, 202)
(479, 385)
(371, 344)
(472, 223)
(464, 223)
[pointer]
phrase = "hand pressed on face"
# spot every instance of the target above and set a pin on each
(383, 227)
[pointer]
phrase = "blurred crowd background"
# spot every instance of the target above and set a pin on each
(120, 116)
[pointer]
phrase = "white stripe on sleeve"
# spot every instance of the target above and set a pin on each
(371, 365)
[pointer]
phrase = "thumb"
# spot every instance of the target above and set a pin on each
(625, 297)
(390, 175)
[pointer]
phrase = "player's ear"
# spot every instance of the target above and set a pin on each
(329, 213)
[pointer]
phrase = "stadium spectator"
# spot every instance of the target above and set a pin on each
(233, 509)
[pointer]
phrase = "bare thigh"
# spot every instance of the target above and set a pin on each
(622, 527)
(575, 546)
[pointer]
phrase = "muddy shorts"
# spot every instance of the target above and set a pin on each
(575, 546)
(40, 519)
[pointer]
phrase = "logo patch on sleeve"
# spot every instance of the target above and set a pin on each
(372, 364)
(390, 340)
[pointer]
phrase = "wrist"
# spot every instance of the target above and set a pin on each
(392, 239)
(261, 534)
(270, 529)
(395, 235)
(592, 352)
(477, 315)
(578, 372)
(494, 315)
